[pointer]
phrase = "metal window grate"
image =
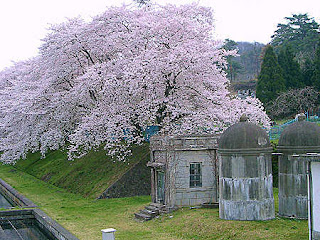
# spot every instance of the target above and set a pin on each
(195, 175)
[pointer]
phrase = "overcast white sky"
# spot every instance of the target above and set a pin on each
(23, 23)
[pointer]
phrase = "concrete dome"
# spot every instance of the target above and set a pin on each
(300, 134)
(244, 135)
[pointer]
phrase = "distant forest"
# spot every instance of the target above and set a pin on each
(246, 66)
(250, 60)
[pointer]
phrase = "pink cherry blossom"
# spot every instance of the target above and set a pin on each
(103, 82)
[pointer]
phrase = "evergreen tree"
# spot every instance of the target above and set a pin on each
(290, 68)
(307, 72)
(316, 73)
(270, 80)
(234, 67)
(301, 31)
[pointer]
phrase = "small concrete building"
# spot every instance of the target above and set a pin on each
(245, 176)
(183, 170)
(298, 138)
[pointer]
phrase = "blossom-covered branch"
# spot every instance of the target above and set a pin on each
(103, 82)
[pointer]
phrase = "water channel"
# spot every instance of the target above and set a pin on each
(25, 229)
(20, 229)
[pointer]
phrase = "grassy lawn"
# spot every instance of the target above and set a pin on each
(85, 217)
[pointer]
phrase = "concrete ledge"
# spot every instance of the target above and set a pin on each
(16, 214)
(44, 222)
(15, 196)
(52, 226)
(245, 151)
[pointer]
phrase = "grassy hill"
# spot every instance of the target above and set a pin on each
(88, 176)
(86, 217)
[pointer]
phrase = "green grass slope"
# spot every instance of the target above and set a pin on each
(86, 217)
(88, 176)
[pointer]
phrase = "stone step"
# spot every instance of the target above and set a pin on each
(210, 205)
(151, 213)
(157, 205)
(164, 210)
(152, 208)
(142, 216)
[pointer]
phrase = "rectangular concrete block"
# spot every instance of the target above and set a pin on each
(195, 201)
(185, 202)
(179, 196)
(178, 202)
(201, 195)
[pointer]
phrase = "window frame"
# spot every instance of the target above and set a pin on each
(195, 174)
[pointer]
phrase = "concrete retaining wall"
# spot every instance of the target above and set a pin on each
(135, 182)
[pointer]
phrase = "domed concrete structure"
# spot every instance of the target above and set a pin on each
(302, 134)
(245, 180)
(298, 138)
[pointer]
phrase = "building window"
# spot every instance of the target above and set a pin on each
(195, 175)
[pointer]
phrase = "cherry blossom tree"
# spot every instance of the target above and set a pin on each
(292, 102)
(103, 82)
(28, 116)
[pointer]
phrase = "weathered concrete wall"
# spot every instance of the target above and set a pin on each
(186, 196)
(300, 137)
(135, 182)
(293, 189)
(173, 155)
(246, 191)
(48, 225)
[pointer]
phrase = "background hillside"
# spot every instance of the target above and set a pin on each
(246, 66)
(249, 59)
